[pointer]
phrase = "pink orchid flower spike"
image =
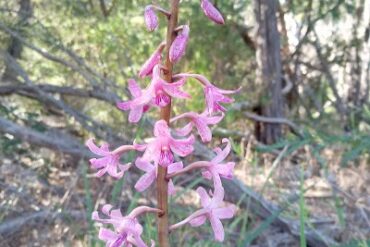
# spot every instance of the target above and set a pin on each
(214, 95)
(151, 172)
(213, 209)
(150, 17)
(109, 161)
(211, 12)
(216, 169)
(201, 122)
(158, 93)
(161, 148)
(136, 112)
(153, 60)
(178, 47)
(127, 229)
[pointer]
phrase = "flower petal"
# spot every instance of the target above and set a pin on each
(203, 130)
(144, 165)
(107, 235)
(204, 197)
(224, 213)
(184, 131)
(153, 60)
(178, 47)
(95, 149)
(198, 221)
(182, 147)
(171, 188)
(135, 114)
(226, 170)
(174, 91)
(218, 228)
(174, 167)
(145, 181)
(224, 153)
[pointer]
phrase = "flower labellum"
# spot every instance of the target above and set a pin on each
(211, 12)
(178, 47)
(150, 17)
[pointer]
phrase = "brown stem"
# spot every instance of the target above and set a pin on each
(162, 182)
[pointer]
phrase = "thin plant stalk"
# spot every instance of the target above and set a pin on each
(162, 181)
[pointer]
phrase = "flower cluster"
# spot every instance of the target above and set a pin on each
(168, 145)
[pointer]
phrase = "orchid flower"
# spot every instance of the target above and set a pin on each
(136, 112)
(127, 229)
(213, 210)
(153, 60)
(201, 122)
(216, 169)
(178, 47)
(160, 149)
(213, 95)
(109, 161)
(150, 17)
(211, 12)
(158, 93)
(151, 171)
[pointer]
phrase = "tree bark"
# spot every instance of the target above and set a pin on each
(15, 46)
(269, 69)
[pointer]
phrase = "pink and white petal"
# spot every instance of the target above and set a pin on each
(112, 170)
(152, 152)
(144, 165)
(171, 188)
(116, 213)
(106, 209)
(145, 181)
(124, 105)
(161, 129)
(215, 119)
(198, 221)
(184, 131)
(218, 194)
(99, 163)
(211, 12)
(207, 174)
(135, 114)
(134, 88)
(203, 130)
(225, 170)
(174, 167)
(95, 149)
(147, 67)
(208, 94)
(174, 91)
(224, 213)
(182, 147)
(205, 200)
(224, 153)
(124, 168)
(101, 172)
(107, 235)
(223, 91)
(217, 228)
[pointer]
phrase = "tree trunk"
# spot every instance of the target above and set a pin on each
(269, 69)
(15, 45)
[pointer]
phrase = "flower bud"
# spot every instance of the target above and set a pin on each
(178, 47)
(151, 19)
(211, 12)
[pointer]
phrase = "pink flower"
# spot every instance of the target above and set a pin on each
(214, 95)
(201, 122)
(150, 17)
(178, 47)
(150, 175)
(109, 161)
(154, 59)
(160, 149)
(211, 12)
(212, 210)
(158, 93)
(136, 112)
(127, 230)
(216, 169)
